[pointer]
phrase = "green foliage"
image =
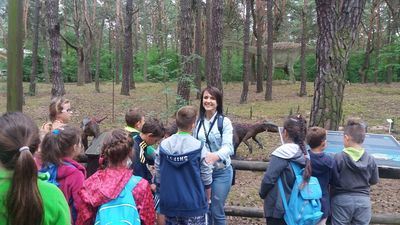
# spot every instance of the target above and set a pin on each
(27, 68)
(69, 66)
(233, 72)
(160, 67)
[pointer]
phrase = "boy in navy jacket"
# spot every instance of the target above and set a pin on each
(184, 176)
(322, 166)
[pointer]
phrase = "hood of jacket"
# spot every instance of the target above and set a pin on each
(321, 163)
(357, 166)
(290, 151)
(104, 185)
(64, 171)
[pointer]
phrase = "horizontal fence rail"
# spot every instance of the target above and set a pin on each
(384, 172)
(259, 213)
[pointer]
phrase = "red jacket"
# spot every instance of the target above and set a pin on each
(105, 185)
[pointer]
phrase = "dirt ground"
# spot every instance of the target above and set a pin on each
(372, 103)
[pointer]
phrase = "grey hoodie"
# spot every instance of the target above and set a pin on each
(279, 166)
(355, 177)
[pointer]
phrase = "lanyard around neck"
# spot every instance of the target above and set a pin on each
(209, 130)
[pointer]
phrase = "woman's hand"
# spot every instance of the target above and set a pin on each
(211, 158)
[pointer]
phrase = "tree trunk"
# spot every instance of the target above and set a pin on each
(270, 39)
(378, 46)
(45, 44)
(35, 44)
(117, 31)
(197, 49)
(228, 64)
(337, 32)
(14, 56)
(216, 43)
(100, 42)
(246, 60)
(259, 44)
(128, 49)
(186, 19)
(55, 50)
(279, 19)
(363, 71)
(209, 50)
(303, 82)
(25, 18)
(145, 53)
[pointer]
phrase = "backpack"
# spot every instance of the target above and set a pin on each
(304, 206)
(50, 171)
(121, 210)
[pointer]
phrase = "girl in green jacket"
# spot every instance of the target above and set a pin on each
(23, 198)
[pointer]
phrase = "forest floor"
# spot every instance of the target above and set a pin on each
(373, 103)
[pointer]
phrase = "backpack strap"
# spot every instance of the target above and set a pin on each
(133, 181)
(220, 123)
(282, 192)
(297, 171)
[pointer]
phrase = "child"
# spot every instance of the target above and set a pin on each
(59, 114)
(293, 150)
(59, 147)
(107, 183)
(23, 198)
(152, 132)
(184, 175)
(356, 171)
(322, 166)
(134, 122)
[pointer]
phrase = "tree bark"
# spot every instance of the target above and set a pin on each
(35, 44)
(197, 49)
(337, 33)
(304, 40)
(246, 60)
(209, 50)
(117, 40)
(100, 42)
(270, 39)
(128, 49)
(378, 46)
(55, 50)
(186, 19)
(363, 71)
(259, 43)
(216, 44)
(14, 56)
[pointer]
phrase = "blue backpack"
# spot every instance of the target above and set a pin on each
(50, 172)
(121, 210)
(304, 206)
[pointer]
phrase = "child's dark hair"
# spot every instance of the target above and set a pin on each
(117, 146)
(57, 144)
(56, 107)
(153, 126)
(185, 117)
(296, 128)
(355, 128)
(19, 139)
(215, 92)
(132, 117)
(315, 136)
